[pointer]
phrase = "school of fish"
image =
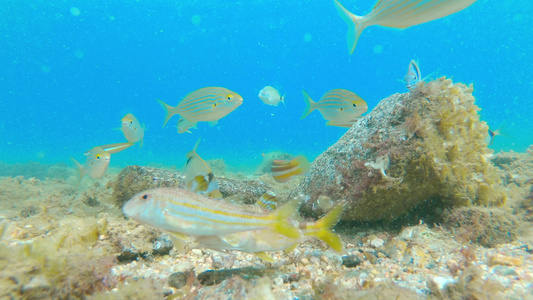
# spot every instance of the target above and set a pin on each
(198, 212)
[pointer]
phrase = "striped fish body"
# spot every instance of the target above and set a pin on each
(284, 170)
(199, 177)
(413, 76)
(117, 147)
(338, 106)
(185, 212)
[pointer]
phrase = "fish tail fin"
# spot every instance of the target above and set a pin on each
(282, 100)
(322, 228)
(309, 105)
(169, 111)
(280, 216)
(355, 25)
(81, 171)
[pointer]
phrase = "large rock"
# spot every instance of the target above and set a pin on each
(134, 179)
(426, 146)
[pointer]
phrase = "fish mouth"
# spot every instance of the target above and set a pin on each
(239, 100)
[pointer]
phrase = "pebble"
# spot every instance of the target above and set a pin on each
(377, 242)
(351, 261)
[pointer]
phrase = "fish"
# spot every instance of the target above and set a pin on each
(339, 107)
(268, 201)
(199, 177)
(270, 96)
(186, 213)
(208, 104)
(260, 241)
(117, 147)
(95, 165)
(413, 76)
(285, 170)
(398, 14)
(132, 129)
(502, 131)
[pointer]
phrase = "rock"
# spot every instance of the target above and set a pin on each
(423, 149)
(134, 179)
(351, 261)
(377, 242)
(179, 279)
(211, 277)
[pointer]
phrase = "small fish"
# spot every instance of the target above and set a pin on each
(271, 96)
(413, 76)
(260, 241)
(339, 107)
(285, 170)
(187, 213)
(117, 147)
(199, 177)
(503, 131)
(132, 129)
(398, 14)
(208, 104)
(96, 163)
(268, 201)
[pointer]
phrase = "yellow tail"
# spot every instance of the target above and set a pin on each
(281, 224)
(322, 228)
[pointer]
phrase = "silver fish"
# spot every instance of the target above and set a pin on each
(413, 76)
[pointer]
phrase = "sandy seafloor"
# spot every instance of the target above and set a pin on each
(63, 242)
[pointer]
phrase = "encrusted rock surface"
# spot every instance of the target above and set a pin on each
(426, 149)
(134, 179)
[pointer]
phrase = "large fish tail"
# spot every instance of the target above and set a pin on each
(309, 105)
(169, 111)
(281, 224)
(355, 25)
(81, 171)
(322, 228)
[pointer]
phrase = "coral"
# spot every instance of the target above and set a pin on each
(487, 226)
(437, 153)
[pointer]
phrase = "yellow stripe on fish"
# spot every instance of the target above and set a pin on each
(208, 104)
(339, 107)
(182, 211)
(268, 201)
(398, 14)
(285, 170)
(117, 147)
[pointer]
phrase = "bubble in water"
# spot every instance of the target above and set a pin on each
(75, 11)
(378, 49)
(308, 37)
(45, 69)
(78, 53)
(196, 20)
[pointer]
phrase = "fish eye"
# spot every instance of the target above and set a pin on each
(229, 97)
(354, 105)
(131, 122)
(145, 197)
(98, 156)
(264, 93)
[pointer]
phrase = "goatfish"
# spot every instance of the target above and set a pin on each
(95, 165)
(208, 104)
(285, 170)
(339, 107)
(117, 147)
(413, 76)
(199, 177)
(270, 96)
(185, 213)
(260, 241)
(398, 14)
(132, 129)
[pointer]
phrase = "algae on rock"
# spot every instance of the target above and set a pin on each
(418, 149)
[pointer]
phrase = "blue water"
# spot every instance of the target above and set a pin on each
(70, 70)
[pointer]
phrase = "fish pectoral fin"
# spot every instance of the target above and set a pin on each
(179, 241)
(264, 256)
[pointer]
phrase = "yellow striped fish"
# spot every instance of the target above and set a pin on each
(208, 104)
(398, 14)
(187, 213)
(200, 179)
(285, 170)
(268, 201)
(339, 107)
(260, 241)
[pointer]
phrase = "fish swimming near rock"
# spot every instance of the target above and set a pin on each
(208, 104)
(339, 107)
(260, 241)
(284, 170)
(413, 76)
(95, 165)
(270, 96)
(199, 177)
(132, 129)
(185, 213)
(398, 14)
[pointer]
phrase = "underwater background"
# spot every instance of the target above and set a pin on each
(70, 70)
